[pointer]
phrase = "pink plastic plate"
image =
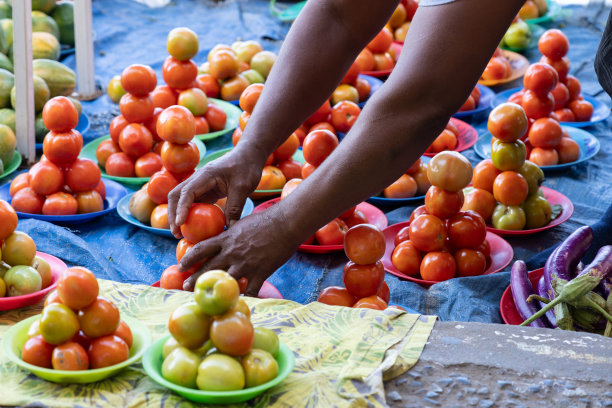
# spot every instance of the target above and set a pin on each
(397, 47)
(374, 215)
(507, 307)
(501, 254)
(554, 198)
(267, 291)
(466, 139)
(15, 302)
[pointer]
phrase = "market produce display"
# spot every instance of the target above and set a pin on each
(533, 9)
(399, 23)
(503, 67)
(379, 56)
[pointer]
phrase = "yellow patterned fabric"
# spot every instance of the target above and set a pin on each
(342, 355)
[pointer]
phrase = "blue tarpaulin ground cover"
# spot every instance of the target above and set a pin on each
(128, 32)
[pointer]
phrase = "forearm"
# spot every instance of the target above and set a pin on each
(432, 79)
(319, 49)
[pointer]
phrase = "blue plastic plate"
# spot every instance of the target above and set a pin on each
(589, 146)
(81, 127)
(600, 110)
(123, 210)
(397, 202)
(114, 193)
(486, 97)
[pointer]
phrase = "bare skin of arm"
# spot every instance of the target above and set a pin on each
(446, 49)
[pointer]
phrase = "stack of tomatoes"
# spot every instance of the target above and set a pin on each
(77, 329)
(399, 23)
(364, 274)
(497, 68)
(228, 71)
(179, 158)
(203, 221)
(442, 241)
(379, 54)
(548, 95)
(61, 183)
(447, 140)
(506, 187)
(280, 165)
(214, 346)
(413, 183)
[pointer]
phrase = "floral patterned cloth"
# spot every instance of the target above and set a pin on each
(342, 355)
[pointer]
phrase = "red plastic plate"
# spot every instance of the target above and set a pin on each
(267, 291)
(374, 215)
(385, 72)
(554, 198)
(57, 267)
(466, 139)
(507, 307)
(501, 254)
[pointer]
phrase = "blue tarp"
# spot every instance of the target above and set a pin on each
(127, 32)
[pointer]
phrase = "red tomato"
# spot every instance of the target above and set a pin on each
(116, 126)
(81, 339)
(107, 351)
(363, 280)
(573, 86)
(540, 78)
(356, 218)
(582, 110)
(406, 258)
(318, 145)
(545, 132)
(135, 140)
(201, 125)
(180, 158)
(203, 221)
(208, 84)
(216, 117)
(70, 356)
(537, 106)
(307, 170)
(344, 114)
(124, 332)
(100, 318)
(332, 233)
(163, 96)
(337, 296)
(507, 122)
(420, 210)
(182, 247)
(60, 204)
(371, 302)
(286, 150)
(561, 66)
(384, 293)
(151, 124)
(119, 165)
(364, 244)
(77, 287)
(60, 115)
(470, 262)
(381, 42)
(82, 175)
(553, 44)
(320, 126)
(179, 74)
(232, 333)
(438, 266)
(467, 229)
(89, 202)
(176, 124)
(160, 184)
(291, 169)
(138, 79)
(104, 150)
(27, 201)
(561, 96)
(249, 97)
(443, 203)
(38, 352)
(428, 233)
(136, 109)
(62, 148)
(402, 235)
(564, 115)
(148, 164)
(101, 189)
(172, 278)
(21, 181)
(46, 178)
(320, 114)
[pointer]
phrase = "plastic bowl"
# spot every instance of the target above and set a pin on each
(233, 115)
(152, 363)
(15, 302)
(12, 166)
(16, 336)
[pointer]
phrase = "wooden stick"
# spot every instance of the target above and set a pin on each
(83, 33)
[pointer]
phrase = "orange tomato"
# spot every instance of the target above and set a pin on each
(568, 150)
(159, 217)
(136, 109)
(540, 78)
(381, 42)
(163, 97)
(223, 64)
(249, 97)
(564, 115)
(573, 86)
(383, 62)
(160, 184)
(107, 351)
(365, 60)
(46, 178)
(116, 126)
(544, 157)
(216, 117)
(100, 318)
(271, 179)
(351, 75)
(176, 124)
(201, 125)
(510, 188)
(582, 110)
(561, 66)
(428, 233)
(82, 175)
(148, 164)
(443, 203)
(138, 79)
(497, 68)
(336, 296)
(172, 278)
(363, 280)
(470, 262)
(38, 352)
(344, 114)
(364, 244)
(507, 122)
(120, 165)
(104, 150)
(60, 204)
(290, 186)
(183, 246)
(321, 126)
(445, 141)
(89, 202)
(404, 187)
(203, 221)
(545, 132)
(480, 201)
(77, 287)
(286, 150)
(318, 145)
(124, 332)
(406, 258)
(363, 89)
(320, 114)
(484, 175)
(438, 266)
(179, 158)
(307, 169)
(417, 212)
(60, 115)
(538, 105)
(179, 74)
(242, 121)
(449, 170)
(371, 302)
(27, 201)
(208, 84)
(291, 169)
(8, 219)
(236, 135)
(233, 87)
(21, 181)
(62, 148)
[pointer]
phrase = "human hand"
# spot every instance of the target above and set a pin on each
(235, 175)
(254, 247)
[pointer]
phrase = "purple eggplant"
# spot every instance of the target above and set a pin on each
(521, 289)
(565, 258)
(541, 290)
(601, 266)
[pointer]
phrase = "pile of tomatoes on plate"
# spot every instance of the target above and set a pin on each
(352, 88)
(410, 184)
(443, 240)
(379, 54)
(364, 274)
(400, 20)
(472, 101)
(214, 346)
(507, 187)
(497, 68)
(447, 140)
(21, 271)
(60, 183)
(77, 329)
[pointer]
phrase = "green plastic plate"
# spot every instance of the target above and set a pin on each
(152, 362)
(16, 336)
(287, 13)
(233, 115)
(13, 165)
(89, 152)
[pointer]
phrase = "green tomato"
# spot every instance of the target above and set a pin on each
(216, 292)
(18, 249)
(262, 62)
(219, 372)
(169, 347)
(538, 211)
(189, 325)
(58, 323)
(534, 176)
(266, 339)
(44, 270)
(508, 217)
(508, 156)
(181, 367)
(4, 267)
(22, 280)
(253, 76)
(2, 288)
(259, 367)
(518, 35)
(246, 50)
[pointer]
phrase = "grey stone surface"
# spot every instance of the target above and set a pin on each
(507, 366)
